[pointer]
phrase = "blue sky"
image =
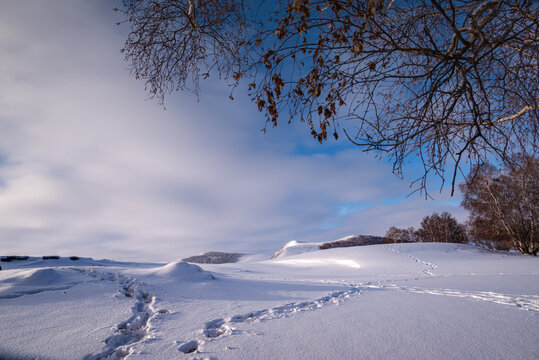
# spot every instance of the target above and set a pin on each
(91, 167)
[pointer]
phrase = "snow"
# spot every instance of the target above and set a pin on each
(180, 271)
(296, 247)
(31, 281)
(398, 301)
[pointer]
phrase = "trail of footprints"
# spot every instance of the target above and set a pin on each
(524, 302)
(224, 326)
(430, 267)
(134, 329)
(138, 326)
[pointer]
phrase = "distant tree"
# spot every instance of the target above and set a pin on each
(504, 204)
(445, 80)
(395, 235)
(441, 228)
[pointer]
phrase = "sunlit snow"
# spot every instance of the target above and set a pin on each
(399, 301)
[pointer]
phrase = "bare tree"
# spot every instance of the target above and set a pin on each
(441, 228)
(453, 82)
(504, 204)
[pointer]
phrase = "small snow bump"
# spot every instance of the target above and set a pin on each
(189, 347)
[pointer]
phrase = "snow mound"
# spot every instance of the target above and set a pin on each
(16, 283)
(181, 270)
(40, 277)
(34, 277)
(294, 248)
(298, 247)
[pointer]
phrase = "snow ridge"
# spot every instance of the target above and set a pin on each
(283, 248)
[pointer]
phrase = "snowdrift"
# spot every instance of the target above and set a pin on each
(181, 271)
(16, 283)
(296, 247)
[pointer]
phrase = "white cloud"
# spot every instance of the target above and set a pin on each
(90, 168)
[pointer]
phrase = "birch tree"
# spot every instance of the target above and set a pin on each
(504, 204)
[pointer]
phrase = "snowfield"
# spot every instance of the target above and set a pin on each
(399, 301)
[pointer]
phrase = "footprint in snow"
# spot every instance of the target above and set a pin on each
(189, 347)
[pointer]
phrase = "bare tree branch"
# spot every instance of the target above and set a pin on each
(450, 82)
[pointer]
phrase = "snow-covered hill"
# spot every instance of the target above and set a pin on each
(298, 247)
(399, 301)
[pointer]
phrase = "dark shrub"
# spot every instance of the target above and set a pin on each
(11, 258)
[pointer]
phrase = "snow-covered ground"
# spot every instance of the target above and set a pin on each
(401, 301)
